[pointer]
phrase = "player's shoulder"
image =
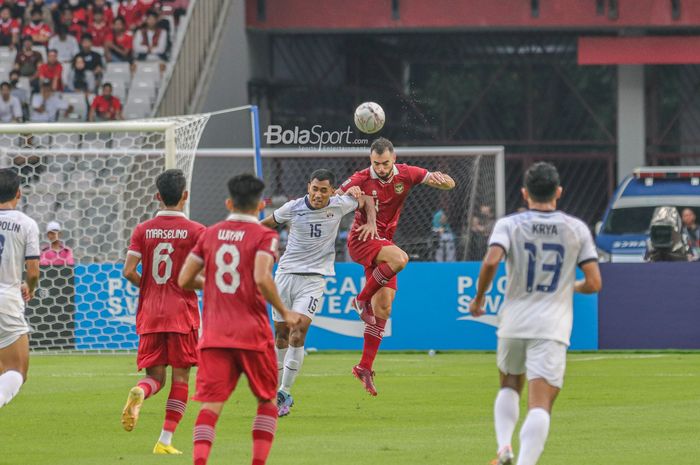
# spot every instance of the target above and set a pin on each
(22, 218)
(575, 223)
(340, 200)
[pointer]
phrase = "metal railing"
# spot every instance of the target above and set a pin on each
(191, 58)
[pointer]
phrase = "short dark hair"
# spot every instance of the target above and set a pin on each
(245, 190)
(86, 36)
(381, 145)
(171, 184)
(542, 181)
(107, 84)
(323, 174)
(35, 10)
(9, 184)
(5, 84)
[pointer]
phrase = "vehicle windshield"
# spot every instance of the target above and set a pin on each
(633, 220)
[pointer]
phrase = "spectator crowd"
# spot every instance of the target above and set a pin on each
(75, 59)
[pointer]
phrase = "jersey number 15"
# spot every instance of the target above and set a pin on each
(553, 268)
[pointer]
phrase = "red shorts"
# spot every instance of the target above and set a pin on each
(365, 252)
(174, 349)
(219, 370)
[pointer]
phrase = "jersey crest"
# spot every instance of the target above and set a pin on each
(398, 187)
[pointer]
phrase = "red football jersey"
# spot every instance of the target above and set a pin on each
(106, 108)
(234, 314)
(47, 71)
(9, 27)
(163, 244)
(125, 40)
(389, 196)
(41, 29)
(100, 33)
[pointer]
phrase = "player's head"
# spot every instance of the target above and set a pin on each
(172, 188)
(9, 186)
(245, 194)
(688, 216)
(542, 183)
(321, 186)
(382, 158)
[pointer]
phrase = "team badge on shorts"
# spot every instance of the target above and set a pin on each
(398, 187)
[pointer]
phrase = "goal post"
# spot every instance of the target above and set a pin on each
(478, 172)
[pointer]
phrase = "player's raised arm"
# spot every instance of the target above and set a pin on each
(270, 222)
(591, 282)
(439, 180)
(190, 277)
(488, 270)
(262, 274)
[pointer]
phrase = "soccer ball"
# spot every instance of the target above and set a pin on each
(369, 117)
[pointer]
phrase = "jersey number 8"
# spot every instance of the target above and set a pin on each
(224, 268)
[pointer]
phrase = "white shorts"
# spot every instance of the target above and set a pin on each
(11, 328)
(539, 358)
(301, 293)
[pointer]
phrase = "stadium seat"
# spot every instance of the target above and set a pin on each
(119, 90)
(5, 68)
(148, 71)
(118, 72)
(7, 54)
(137, 110)
(145, 86)
(140, 95)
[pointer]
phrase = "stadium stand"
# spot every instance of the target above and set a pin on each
(134, 49)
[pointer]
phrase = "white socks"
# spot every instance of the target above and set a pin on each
(281, 353)
(292, 365)
(166, 437)
(533, 435)
(10, 382)
(506, 411)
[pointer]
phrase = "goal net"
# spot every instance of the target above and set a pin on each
(434, 226)
(98, 182)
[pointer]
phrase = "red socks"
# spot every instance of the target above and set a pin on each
(150, 386)
(380, 276)
(204, 435)
(175, 406)
(264, 428)
(373, 337)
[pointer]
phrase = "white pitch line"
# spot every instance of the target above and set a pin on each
(616, 357)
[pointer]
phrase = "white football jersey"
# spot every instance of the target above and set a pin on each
(543, 250)
(312, 233)
(19, 241)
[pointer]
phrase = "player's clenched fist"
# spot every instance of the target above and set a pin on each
(476, 307)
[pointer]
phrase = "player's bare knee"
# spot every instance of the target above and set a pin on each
(297, 338)
(399, 261)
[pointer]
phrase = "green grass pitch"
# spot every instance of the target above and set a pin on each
(615, 409)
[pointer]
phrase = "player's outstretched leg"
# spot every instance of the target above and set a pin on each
(14, 359)
(264, 427)
(390, 261)
(373, 338)
(145, 388)
(205, 431)
(174, 411)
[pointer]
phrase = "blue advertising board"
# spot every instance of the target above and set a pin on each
(430, 310)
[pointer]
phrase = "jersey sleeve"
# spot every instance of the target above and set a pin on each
(417, 175)
(500, 236)
(355, 180)
(268, 243)
(284, 213)
(136, 244)
(347, 204)
(32, 250)
(588, 252)
(198, 250)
